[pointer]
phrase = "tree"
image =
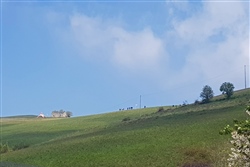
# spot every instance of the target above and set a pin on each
(69, 114)
(227, 89)
(206, 94)
(61, 113)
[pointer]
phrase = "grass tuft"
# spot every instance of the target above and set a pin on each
(4, 148)
(20, 146)
(126, 119)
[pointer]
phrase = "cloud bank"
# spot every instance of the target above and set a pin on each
(213, 40)
(98, 39)
(217, 38)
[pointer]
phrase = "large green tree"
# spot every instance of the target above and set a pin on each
(227, 89)
(207, 94)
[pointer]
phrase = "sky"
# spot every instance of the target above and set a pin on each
(92, 57)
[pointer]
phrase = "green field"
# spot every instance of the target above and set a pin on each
(178, 136)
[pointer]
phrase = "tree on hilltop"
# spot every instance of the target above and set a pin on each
(61, 113)
(227, 89)
(207, 94)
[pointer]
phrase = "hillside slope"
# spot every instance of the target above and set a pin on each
(177, 136)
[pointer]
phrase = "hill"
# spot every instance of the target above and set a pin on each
(21, 116)
(175, 136)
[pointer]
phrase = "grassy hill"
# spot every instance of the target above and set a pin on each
(178, 136)
(21, 116)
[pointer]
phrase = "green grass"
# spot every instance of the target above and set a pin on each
(178, 136)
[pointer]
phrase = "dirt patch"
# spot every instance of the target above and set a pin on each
(197, 157)
(196, 165)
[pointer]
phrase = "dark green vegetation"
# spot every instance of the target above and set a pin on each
(61, 113)
(207, 94)
(174, 136)
(227, 89)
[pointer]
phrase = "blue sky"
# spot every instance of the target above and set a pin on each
(91, 57)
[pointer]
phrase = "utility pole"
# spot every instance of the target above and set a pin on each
(140, 101)
(245, 71)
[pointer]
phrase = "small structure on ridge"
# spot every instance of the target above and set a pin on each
(41, 115)
(61, 114)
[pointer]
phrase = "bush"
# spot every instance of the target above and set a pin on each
(126, 119)
(196, 102)
(4, 148)
(160, 109)
(20, 146)
(240, 155)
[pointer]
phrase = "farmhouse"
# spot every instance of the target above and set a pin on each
(59, 114)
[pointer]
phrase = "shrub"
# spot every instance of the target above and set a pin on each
(160, 109)
(196, 102)
(20, 146)
(126, 119)
(240, 155)
(185, 103)
(4, 148)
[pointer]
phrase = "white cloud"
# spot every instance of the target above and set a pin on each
(90, 35)
(213, 18)
(217, 38)
(141, 50)
(100, 39)
(213, 38)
